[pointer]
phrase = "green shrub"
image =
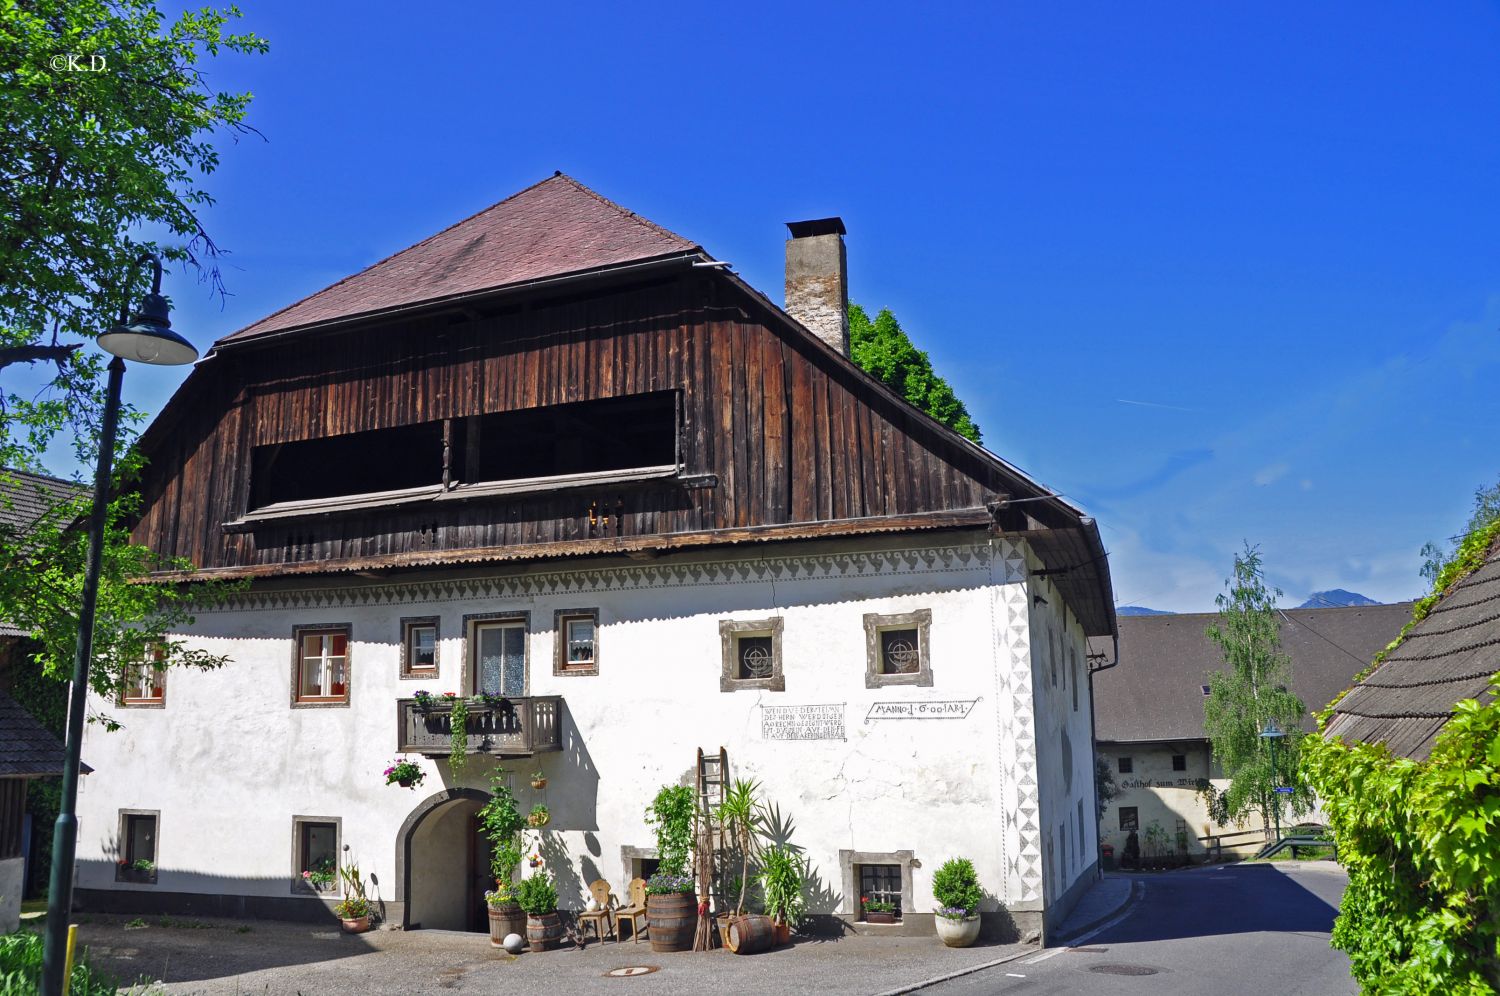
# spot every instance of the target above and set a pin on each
(956, 885)
(671, 817)
(781, 877)
(21, 969)
(1421, 842)
(537, 895)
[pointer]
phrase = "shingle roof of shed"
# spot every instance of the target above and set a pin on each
(25, 498)
(1156, 693)
(554, 227)
(27, 750)
(1448, 656)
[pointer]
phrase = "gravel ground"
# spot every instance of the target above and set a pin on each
(213, 956)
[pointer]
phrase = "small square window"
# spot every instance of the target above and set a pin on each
(315, 844)
(137, 861)
(577, 634)
(145, 681)
(322, 665)
(419, 647)
(896, 649)
(880, 884)
(1206, 690)
(1129, 818)
(1126, 765)
(751, 651)
(1179, 762)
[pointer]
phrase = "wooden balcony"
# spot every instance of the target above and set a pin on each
(511, 728)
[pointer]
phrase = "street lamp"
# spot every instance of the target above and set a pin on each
(1271, 734)
(148, 338)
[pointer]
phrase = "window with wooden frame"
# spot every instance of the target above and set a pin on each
(495, 653)
(577, 633)
(751, 654)
(896, 649)
(315, 854)
(138, 836)
(144, 682)
(419, 647)
(320, 665)
(881, 883)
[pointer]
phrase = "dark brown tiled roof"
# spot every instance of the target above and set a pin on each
(1449, 656)
(555, 227)
(25, 498)
(1156, 693)
(27, 750)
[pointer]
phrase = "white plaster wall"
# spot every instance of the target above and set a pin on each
(1158, 792)
(228, 762)
(1064, 738)
(11, 870)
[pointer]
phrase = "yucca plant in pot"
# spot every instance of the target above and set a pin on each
(956, 888)
(781, 877)
(739, 822)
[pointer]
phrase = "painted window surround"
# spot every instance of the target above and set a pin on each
(408, 672)
(730, 630)
(875, 624)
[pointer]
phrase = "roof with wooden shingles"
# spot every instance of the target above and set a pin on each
(27, 750)
(1449, 656)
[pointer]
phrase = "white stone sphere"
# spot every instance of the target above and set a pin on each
(514, 943)
(593, 904)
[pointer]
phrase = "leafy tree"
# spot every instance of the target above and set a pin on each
(1105, 789)
(1250, 690)
(882, 349)
(1486, 510)
(89, 158)
(105, 133)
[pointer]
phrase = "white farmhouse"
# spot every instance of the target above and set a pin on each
(559, 456)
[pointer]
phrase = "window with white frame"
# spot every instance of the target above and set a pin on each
(497, 654)
(577, 641)
(419, 647)
(145, 680)
(322, 665)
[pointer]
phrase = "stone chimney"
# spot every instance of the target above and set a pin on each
(817, 279)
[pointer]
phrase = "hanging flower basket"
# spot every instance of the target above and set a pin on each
(538, 817)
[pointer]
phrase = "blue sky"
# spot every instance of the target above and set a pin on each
(1217, 273)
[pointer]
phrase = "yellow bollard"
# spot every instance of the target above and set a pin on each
(68, 961)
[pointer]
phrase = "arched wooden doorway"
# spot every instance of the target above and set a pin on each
(443, 863)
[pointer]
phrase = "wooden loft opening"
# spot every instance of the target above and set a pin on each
(602, 441)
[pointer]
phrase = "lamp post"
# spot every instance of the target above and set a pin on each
(148, 338)
(1271, 734)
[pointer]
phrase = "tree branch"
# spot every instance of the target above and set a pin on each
(31, 354)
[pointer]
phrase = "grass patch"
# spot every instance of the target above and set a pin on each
(21, 970)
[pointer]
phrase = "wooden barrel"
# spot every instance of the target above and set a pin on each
(672, 919)
(751, 933)
(506, 920)
(543, 932)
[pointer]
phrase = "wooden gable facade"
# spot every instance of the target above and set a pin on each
(636, 408)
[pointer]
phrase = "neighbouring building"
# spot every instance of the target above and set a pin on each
(1449, 656)
(562, 457)
(1149, 711)
(27, 752)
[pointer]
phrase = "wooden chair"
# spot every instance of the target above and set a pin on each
(635, 912)
(604, 914)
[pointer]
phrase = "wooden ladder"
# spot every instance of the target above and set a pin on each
(713, 779)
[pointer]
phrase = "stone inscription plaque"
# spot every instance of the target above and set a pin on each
(803, 722)
(920, 710)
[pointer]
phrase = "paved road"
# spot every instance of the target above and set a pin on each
(1229, 930)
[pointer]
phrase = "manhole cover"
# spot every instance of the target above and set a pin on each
(630, 970)
(1123, 970)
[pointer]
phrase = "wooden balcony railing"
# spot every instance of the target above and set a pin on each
(510, 728)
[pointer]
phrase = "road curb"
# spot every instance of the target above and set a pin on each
(959, 973)
(1137, 890)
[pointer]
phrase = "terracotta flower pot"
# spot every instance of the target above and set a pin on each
(874, 916)
(358, 925)
(957, 933)
(781, 933)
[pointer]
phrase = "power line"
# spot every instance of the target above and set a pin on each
(1347, 653)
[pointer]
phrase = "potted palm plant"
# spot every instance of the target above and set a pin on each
(781, 877)
(538, 897)
(739, 822)
(956, 888)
